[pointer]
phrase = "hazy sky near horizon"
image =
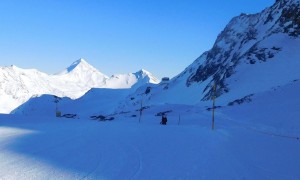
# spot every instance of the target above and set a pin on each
(115, 36)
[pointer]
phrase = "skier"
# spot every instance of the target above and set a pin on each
(164, 120)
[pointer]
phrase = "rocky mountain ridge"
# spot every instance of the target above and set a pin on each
(253, 53)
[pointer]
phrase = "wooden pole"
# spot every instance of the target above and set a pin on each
(56, 108)
(213, 108)
(141, 110)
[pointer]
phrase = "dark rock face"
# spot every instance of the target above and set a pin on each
(261, 54)
(240, 42)
(245, 99)
(290, 20)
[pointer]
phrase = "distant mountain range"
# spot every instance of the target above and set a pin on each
(254, 54)
(19, 85)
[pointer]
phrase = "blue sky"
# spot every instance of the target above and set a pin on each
(115, 36)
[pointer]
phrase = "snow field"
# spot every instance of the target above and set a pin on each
(51, 148)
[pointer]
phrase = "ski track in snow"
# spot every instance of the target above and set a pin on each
(35, 153)
(103, 157)
(94, 169)
(83, 149)
(140, 167)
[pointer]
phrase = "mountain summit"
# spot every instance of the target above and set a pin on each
(82, 72)
(131, 80)
(141, 74)
(19, 85)
(254, 53)
(79, 66)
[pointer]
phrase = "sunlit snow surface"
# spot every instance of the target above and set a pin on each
(250, 141)
(256, 138)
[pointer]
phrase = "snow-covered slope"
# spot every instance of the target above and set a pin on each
(95, 102)
(19, 85)
(255, 140)
(254, 53)
(276, 110)
(82, 73)
(131, 80)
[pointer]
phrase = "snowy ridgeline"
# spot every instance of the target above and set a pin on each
(256, 71)
(19, 85)
(253, 54)
(254, 140)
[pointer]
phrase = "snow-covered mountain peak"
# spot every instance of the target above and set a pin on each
(144, 71)
(141, 74)
(131, 80)
(15, 68)
(80, 66)
(253, 53)
(80, 62)
(17, 85)
(11, 68)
